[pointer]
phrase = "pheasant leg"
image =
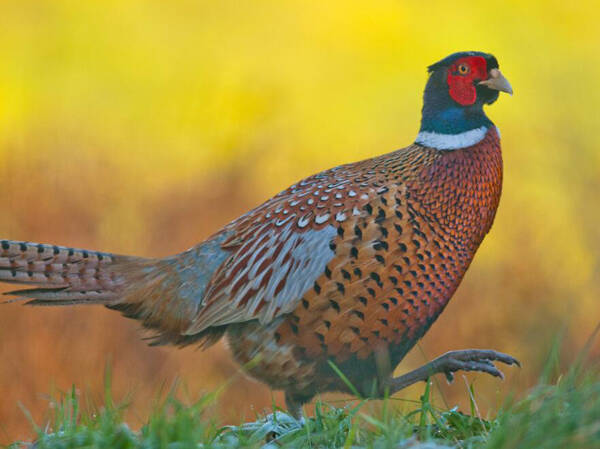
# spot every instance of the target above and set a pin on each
(451, 362)
(294, 406)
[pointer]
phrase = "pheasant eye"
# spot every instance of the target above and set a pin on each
(463, 69)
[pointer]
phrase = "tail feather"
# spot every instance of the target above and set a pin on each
(60, 273)
(149, 290)
(60, 296)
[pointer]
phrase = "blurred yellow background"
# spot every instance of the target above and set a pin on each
(141, 127)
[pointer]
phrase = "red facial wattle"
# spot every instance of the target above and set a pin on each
(461, 86)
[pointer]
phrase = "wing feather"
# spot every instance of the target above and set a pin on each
(278, 251)
(272, 279)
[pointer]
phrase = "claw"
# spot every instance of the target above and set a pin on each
(481, 360)
(474, 360)
(483, 354)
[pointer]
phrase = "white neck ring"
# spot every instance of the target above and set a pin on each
(441, 141)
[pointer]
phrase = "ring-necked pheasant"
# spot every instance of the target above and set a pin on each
(350, 266)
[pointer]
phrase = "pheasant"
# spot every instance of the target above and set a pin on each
(344, 271)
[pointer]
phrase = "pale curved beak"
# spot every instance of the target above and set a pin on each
(497, 81)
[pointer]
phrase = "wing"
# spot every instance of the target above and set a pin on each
(281, 248)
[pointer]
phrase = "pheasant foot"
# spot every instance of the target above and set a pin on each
(451, 362)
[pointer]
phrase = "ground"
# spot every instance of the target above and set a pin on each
(562, 413)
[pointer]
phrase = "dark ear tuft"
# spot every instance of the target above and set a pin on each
(448, 60)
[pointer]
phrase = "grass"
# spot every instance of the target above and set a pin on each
(562, 411)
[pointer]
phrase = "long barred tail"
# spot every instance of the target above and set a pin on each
(64, 276)
(147, 290)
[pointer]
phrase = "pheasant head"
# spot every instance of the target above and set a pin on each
(458, 88)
